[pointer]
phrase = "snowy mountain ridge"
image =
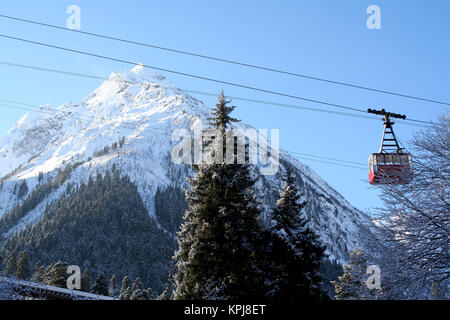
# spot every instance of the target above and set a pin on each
(139, 110)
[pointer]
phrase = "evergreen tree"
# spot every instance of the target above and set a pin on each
(100, 286)
(219, 240)
(55, 275)
(220, 115)
(112, 286)
(168, 293)
(296, 250)
(23, 268)
(137, 295)
(11, 264)
(85, 281)
(137, 285)
(351, 285)
(125, 290)
(125, 294)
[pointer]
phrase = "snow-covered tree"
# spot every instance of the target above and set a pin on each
(296, 251)
(219, 239)
(138, 294)
(125, 294)
(137, 285)
(55, 275)
(352, 284)
(125, 290)
(220, 115)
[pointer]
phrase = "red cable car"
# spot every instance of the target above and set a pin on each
(390, 165)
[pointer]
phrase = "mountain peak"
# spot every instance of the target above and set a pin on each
(138, 68)
(142, 75)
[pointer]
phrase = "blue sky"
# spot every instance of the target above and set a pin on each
(329, 39)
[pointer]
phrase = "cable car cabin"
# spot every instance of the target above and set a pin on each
(390, 168)
(390, 165)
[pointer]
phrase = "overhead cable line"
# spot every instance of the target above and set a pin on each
(249, 65)
(328, 162)
(210, 94)
(326, 158)
(183, 73)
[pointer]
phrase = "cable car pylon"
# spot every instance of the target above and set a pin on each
(390, 165)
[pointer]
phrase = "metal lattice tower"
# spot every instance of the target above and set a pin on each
(389, 143)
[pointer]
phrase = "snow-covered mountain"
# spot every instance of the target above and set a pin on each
(128, 122)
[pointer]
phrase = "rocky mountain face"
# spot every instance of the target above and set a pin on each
(125, 126)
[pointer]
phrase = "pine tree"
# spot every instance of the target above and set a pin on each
(220, 115)
(56, 275)
(137, 284)
(219, 240)
(168, 293)
(137, 295)
(23, 268)
(125, 290)
(100, 286)
(85, 281)
(125, 294)
(112, 286)
(11, 264)
(351, 284)
(296, 251)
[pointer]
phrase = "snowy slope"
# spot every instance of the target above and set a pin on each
(145, 108)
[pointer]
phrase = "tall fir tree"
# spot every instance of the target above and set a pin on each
(296, 251)
(219, 242)
(23, 267)
(220, 116)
